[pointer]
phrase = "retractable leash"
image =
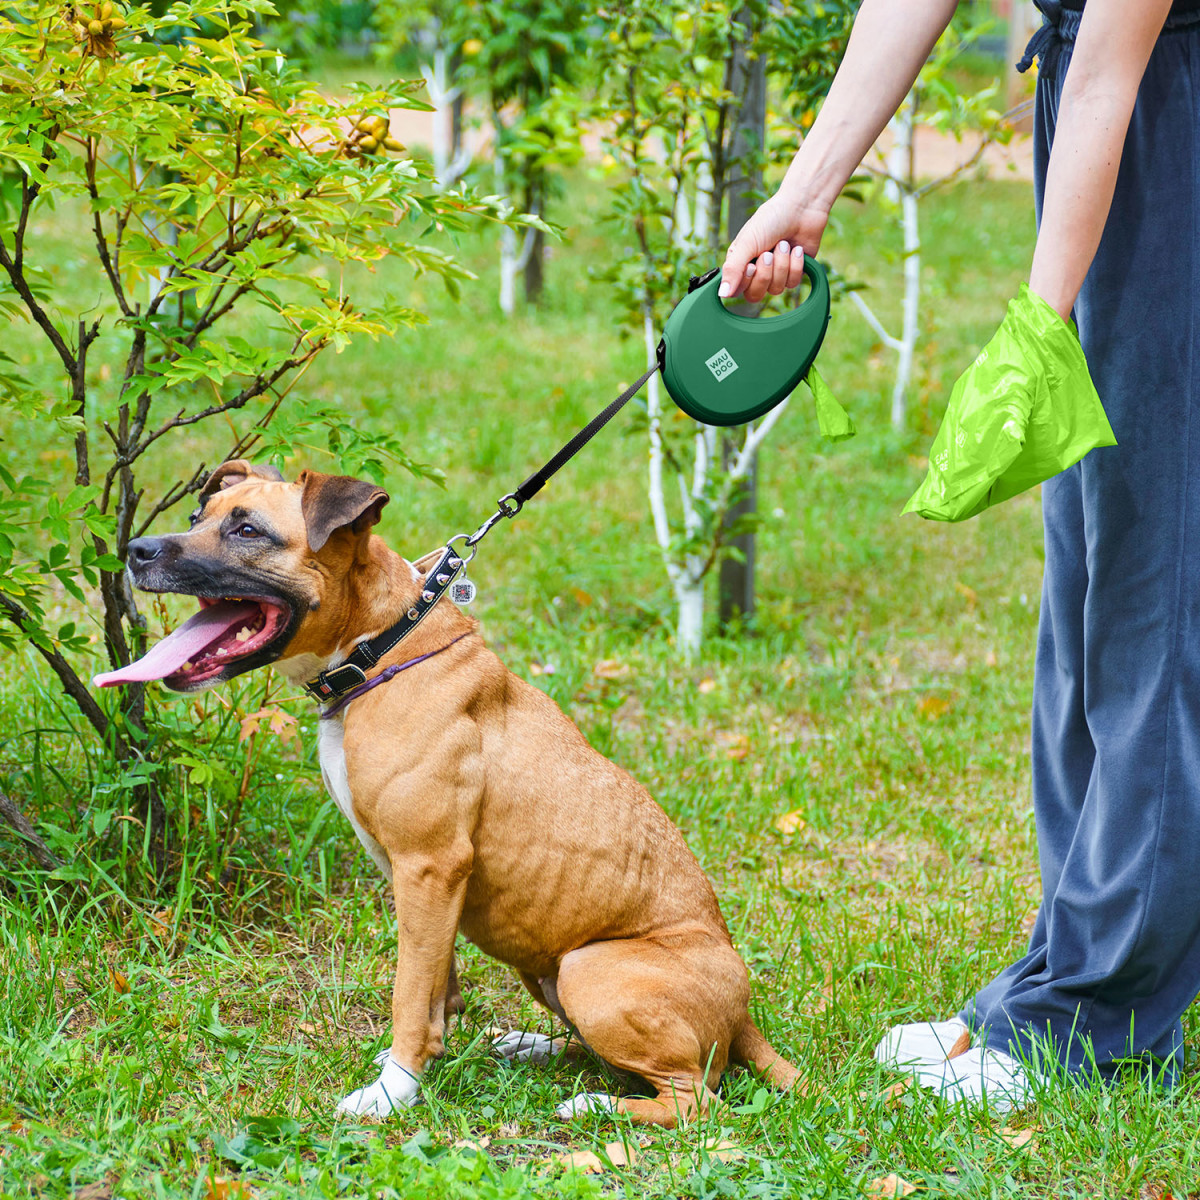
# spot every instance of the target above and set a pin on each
(703, 346)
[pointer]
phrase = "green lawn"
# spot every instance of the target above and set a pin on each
(149, 1043)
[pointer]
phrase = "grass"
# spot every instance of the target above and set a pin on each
(851, 770)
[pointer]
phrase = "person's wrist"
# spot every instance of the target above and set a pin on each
(1058, 298)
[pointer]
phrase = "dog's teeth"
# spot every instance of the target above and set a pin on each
(243, 633)
(222, 650)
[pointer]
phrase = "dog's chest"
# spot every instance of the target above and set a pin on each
(332, 754)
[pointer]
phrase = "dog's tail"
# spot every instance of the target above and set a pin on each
(752, 1050)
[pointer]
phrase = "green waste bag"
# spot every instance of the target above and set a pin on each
(834, 422)
(1025, 410)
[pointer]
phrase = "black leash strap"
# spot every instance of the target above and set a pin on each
(536, 481)
(510, 505)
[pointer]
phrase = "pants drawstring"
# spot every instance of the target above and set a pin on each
(1046, 43)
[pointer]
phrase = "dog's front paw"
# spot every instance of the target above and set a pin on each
(522, 1046)
(395, 1088)
(586, 1102)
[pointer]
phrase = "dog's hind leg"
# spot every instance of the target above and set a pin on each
(666, 1011)
(525, 1045)
(454, 997)
(754, 1052)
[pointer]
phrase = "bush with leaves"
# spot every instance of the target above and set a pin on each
(214, 182)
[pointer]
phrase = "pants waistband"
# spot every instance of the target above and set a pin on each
(1060, 26)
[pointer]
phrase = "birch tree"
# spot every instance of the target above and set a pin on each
(667, 107)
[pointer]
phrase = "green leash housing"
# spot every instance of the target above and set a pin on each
(726, 369)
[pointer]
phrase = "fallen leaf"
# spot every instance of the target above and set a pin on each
(581, 597)
(93, 1191)
(891, 1097)
(961, 1045)
(889, 1186)
(580, 1160)
(119, 982)
(790, 823)
(1017, 1138)
(707, 685)
(620, 1155)
(1155, 1191)
(737, 745)
(968, 594)
(932, 707)
(160, 923)
(610, 668)
(724, 1151)
(479, 1145)
(227, 1189)
(307, 1027)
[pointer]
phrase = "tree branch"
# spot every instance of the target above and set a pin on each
(72, 684)
(892, 343)
(38, 849)
(98, 231)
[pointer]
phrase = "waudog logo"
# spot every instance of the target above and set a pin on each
(721, 364)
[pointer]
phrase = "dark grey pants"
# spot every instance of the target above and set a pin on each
(1115, 954)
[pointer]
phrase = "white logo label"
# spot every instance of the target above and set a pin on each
(721, 364)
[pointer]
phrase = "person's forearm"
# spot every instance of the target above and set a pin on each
(888, 46)
(1112, 49)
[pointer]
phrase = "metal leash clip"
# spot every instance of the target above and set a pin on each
(462, 590)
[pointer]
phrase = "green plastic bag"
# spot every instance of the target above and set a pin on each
(834, 422)
(1025, 410)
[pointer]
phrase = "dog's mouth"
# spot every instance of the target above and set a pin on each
(225, 631)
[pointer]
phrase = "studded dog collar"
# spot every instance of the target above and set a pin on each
(334, 683)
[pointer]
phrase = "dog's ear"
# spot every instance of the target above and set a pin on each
(235, 471)
(333, 502)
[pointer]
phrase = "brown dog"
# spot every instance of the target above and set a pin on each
(473, 792)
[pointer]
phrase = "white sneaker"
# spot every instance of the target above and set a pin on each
(979, 1075)
(925, 1044)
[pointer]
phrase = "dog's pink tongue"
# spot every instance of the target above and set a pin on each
(193, 636)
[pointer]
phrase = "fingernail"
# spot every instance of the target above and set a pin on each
(797, 251)
(724, 291)
(749, 270)
(782, 248)
(766, 259)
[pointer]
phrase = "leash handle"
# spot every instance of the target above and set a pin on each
(512, 503)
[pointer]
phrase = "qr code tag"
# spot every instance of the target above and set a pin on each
(462, 591)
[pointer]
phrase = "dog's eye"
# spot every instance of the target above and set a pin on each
(246, 531)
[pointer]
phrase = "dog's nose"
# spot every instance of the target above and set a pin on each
(144, 550)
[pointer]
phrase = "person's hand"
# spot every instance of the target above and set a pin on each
(778, 236)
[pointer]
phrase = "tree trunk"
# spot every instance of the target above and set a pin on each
(535, 257)
(689, 593)
(749, 81)
(912, 309)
